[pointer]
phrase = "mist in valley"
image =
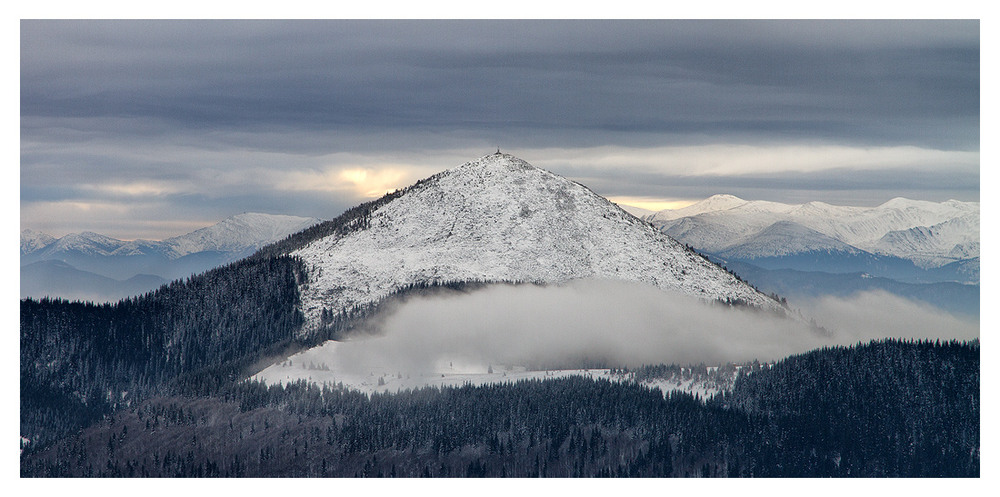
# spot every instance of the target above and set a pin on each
(589, 323)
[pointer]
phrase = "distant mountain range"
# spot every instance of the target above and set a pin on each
(920, 250)
(916, 249)
(91, 266)
(907, 240)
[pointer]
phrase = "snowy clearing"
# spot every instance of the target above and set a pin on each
(330, 364)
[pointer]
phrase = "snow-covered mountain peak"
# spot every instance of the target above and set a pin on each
(930, 234)
(719, 202)
(932, 246)
(89, 235)
(32, 240)
(715, 203)
(495, 178)
(239, 233)
(500, 178)
(498, 218)
(99, 267)
(493, 163)
(87, 242)
(905, 203)
(722, 200)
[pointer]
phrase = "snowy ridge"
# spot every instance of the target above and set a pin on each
(714, 203)
(238, 233)
(954, 239)
(500, 219)
(785, 238)
(100, 268)
(88, 243)
(928, 233)
(32, 240)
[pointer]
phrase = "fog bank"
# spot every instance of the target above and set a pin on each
(622, 324)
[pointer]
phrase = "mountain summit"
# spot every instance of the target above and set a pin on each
(240, 235)
(499, 218)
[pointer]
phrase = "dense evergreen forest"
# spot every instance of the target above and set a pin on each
(886, 408)
(80, 361)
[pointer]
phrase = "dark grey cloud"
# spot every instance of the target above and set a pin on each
(175, 103)
(546, 78)
(838, 186)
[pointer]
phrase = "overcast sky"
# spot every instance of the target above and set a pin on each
(151, 129)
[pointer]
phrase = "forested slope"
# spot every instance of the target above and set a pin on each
(80, 361)
(832, 412)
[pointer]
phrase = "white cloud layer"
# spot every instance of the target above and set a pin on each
(624, 324)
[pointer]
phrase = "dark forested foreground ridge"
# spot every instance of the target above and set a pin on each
(888, 408)
(80, 361)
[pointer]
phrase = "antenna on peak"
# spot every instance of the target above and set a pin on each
(498, 151)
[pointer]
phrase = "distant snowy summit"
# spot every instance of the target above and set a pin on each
(236, 234)
(92, 266)
(32, 241)
(929, 234)
(498, 218)
(240, 234)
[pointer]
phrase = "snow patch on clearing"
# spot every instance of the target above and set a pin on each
(325, 366)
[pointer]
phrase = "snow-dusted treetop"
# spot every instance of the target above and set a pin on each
(499, 218)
